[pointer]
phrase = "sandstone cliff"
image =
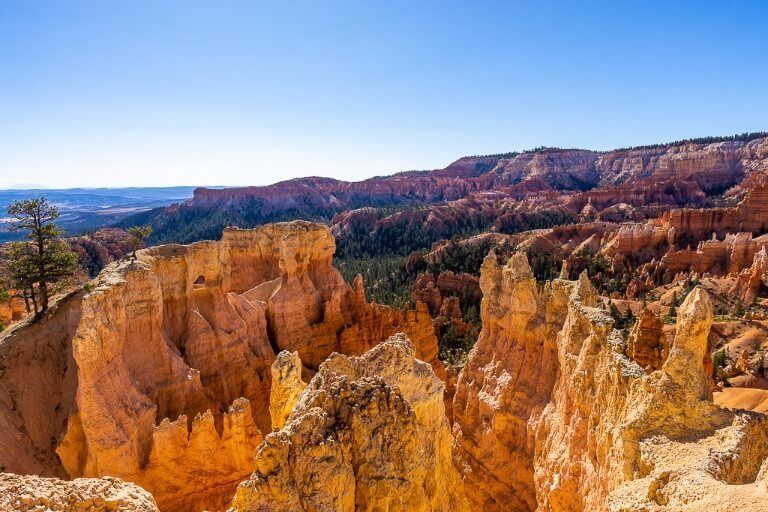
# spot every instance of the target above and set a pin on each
(165, 371)
(159, 372)
(38, 378)
(617, 438)
(555, 411)
(514, 191)
(506, 383)
(368, 433)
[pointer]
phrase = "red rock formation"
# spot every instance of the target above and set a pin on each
(591, 429)
(647, 343)
(505, 383)
(687, 225)
(12, 309)
(449, 284)
(510, 192)
(161, 373)
(425, 290)
(724, 239)
(459, 285)
(98, 249)
(750, 280)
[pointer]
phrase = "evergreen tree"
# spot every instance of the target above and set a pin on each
(672, 313)
(38, 265)
(629, 317)
(138, 235)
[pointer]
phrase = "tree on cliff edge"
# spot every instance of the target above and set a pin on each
(45, 260)
(139, 235)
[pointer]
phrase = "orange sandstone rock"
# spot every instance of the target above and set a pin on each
(610, 435)
(286, 387)
(34, 494)
(160, 373)
(506, 383)
(647, 344)
(368, 433)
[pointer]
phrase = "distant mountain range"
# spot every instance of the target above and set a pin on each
(408, 211)
(86, 209)
(506, 193)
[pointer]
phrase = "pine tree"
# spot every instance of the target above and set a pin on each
(615, 314)
(138, 235)
(629, 317)
(672, 313)
(44, 260)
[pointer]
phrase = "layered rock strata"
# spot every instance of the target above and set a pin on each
(160, 371)
(726, 239)
(511, 192)
(750, 280)
(506, 383)
(368, 433)
(576, 418)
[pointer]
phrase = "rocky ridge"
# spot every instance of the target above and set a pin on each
(511, 192)
(367, 433)
(602, 431)
(159, 371)
(506, 382)
(204, 347)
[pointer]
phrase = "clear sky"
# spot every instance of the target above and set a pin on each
(154, 93)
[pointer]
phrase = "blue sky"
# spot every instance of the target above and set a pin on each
(118, 93)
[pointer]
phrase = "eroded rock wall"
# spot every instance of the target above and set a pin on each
(506, 383)
(159, 372)
(606, 423)
(368, 433)
(617, 438)
(38, 379)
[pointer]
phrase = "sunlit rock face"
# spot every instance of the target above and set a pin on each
(618, 438)
(367, 433)
(206, 374)
(506, 383)
(717, 241)
(626, 425)
(34, 494)
(159, 372)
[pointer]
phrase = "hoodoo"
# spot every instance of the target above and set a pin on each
(587, 426)
(158, 372)
(227, 307)
(167, 370)
(368, 433)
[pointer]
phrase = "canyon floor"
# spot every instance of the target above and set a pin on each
(557, 330)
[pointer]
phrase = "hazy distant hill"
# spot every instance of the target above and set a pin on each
(85, 209)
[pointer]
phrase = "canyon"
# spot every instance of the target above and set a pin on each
(567, 330)
(507, 192)
(164, 362)
(245, 374)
